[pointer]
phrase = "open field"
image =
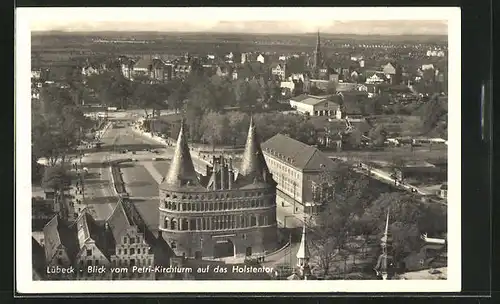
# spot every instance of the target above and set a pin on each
(391, 153)
(404, 125)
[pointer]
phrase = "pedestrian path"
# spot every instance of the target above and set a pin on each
(145, 198)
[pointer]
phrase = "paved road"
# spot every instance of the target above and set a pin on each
(100, 196)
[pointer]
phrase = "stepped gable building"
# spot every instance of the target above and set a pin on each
(223, 213)
(132, 244)
(122, 242)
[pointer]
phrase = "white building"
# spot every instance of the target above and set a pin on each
(294, 166)
(288, 85)
(36, 74)
(427, 67)
(376, 78)
(261, 58)
(244, 58)
(315, 106)
(279, 70)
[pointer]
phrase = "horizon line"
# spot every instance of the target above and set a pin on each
(245, 33)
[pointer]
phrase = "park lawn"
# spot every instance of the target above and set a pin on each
(404, 125)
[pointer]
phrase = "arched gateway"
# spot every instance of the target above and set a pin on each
(224, 248)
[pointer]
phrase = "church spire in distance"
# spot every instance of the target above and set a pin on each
(317, 54)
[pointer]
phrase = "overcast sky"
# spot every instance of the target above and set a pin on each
(244, 20)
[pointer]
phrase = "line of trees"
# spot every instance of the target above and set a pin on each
(230, 128)
(58, 127)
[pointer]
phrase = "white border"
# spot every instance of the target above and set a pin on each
(24, 17)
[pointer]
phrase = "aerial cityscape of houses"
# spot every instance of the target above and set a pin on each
(228, 205)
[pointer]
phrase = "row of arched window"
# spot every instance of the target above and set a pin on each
(210, 196)
(219, 222)
(216, 206)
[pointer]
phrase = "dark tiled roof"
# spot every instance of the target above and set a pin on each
(38, 257)
(143, 64)
(300, 98)
(296, 153)
(253, 163)
(58, 233)
(181, 172)
(88, 229)
(119, 221)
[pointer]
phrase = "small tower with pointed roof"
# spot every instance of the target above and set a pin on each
(253, 163)
(181, 171)
(384, 263)
(303, 255)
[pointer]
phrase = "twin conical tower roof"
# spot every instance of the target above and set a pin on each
(253, 162)
(182, 172)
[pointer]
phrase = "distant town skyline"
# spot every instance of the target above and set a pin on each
(244, 20)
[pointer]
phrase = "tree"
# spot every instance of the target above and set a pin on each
(222, 93)
(343, 195)
(215, 128)
(179, 93)
(194, 113)
(112, 88)
(407, 213)
(238, 127)
(355, 138)
(56, 131)
(245, 95)
(378, 135)
(298, 88)
(431, 113)
(57, 179)
(145, 97)
(314, 90)
(331, 88)
(397, 167)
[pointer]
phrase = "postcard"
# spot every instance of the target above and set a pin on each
(275, 149)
